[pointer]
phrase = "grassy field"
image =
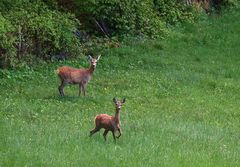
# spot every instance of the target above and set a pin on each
(182, 105)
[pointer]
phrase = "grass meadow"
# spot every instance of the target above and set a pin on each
(182, 104)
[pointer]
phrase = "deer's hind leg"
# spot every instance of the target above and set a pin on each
(96, 129)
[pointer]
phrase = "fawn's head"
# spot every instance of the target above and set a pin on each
(118, 103)
(93, 61)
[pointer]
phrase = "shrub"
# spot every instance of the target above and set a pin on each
(122, 17)
(229, 3)
(7, 40)
(173, 12)
(40, 32)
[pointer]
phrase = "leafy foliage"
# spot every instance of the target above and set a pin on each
(123, 16)
(228, 3)
(7, 41)
(40, 32)
(172, 11)
(43, 30)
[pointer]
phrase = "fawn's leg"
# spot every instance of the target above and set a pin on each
(94, 131)
(120, 132)
(113, 133)
(105, 134)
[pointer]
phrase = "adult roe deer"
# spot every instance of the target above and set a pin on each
(70, 75)
(109, 123)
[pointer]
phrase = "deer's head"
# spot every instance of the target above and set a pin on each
(93, 61)
(118, 103)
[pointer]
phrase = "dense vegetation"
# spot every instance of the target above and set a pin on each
(182, 104)
(50, 30)
(34, 30)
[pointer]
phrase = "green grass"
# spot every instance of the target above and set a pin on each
(182, 105)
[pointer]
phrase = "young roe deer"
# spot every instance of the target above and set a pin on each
(109, 123)
(70, 75)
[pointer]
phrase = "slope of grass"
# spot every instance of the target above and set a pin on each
(182, 105)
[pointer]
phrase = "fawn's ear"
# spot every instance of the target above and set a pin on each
(123, 100)
(114, 100)
(98, 57)
(89, 57)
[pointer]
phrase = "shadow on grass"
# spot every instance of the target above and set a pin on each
(72, 99)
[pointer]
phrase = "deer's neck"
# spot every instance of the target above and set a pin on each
(91, 69)
(117, 116)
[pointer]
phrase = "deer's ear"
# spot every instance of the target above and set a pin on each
(98, 57)
(89, 57)
(123, 100)
(114, 100)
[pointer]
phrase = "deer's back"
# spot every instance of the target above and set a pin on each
(104, 121)
(72, 75)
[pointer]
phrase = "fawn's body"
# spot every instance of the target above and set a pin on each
(109, 123)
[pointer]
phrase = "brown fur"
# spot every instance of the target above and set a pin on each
(70, 75)
(109, 123)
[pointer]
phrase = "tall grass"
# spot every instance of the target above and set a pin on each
(182, 105)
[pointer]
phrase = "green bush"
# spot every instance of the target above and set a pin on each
(123, 17)
(40, 32)
(173, 12)
(33, 30)
(229, 3)
(7, 40)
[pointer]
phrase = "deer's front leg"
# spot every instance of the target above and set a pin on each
(114, 137)
(84, 84)
(80, 89)
(61, 88)
(120, 132)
